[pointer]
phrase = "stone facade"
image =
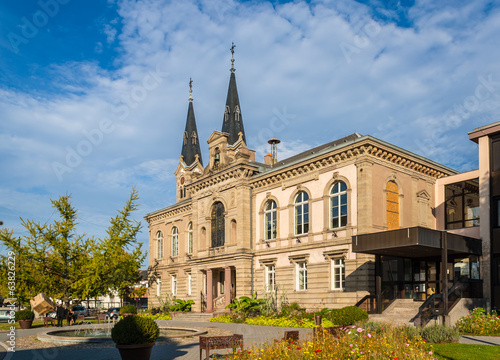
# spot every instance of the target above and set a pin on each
(219, 240)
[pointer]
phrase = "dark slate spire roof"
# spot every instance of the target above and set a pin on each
(233, 121)
(190, 138)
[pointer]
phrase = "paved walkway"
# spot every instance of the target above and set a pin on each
(253, 335)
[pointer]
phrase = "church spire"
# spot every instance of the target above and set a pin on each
(233, 121)
(190, 140)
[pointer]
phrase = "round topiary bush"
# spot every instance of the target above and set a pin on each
(128, 309)
(135, 330)
(348, 315)
(24, 315)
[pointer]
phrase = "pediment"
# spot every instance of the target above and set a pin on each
(423, 195)
(216, 135)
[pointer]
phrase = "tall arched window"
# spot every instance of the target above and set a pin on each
(392, 196)
(270, 220)
(175, 241)
(301, 213)
(217, 224)
(338, 205)
(190, 238)
(159, 245)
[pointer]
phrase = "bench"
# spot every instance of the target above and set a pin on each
(80, 319)
(101, 317)
(290, 337)
(47, 320)
(220, 342)
(334, 331)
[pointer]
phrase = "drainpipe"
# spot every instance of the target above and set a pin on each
(251, 238)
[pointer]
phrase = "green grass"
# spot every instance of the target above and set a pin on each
(455, 351)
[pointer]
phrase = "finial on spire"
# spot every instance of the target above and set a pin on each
(232, 57)
(190, 89)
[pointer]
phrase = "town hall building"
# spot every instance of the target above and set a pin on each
(356, 221)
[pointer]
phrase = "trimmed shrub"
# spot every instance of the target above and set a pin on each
(348, 315)
(25, 314)
(128, 309)
(440, 334)
(135, 329)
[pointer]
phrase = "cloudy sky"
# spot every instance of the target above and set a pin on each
(94, 94)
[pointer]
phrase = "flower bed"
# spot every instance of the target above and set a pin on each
(158, 316)
(352, 343)
(478, 322)
(274, 321)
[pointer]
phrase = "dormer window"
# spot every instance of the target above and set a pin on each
(226, 113)
(194, 137)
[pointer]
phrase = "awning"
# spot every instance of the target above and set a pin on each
(414, 242)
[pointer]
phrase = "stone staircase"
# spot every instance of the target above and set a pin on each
(400, 312)
(190, 316)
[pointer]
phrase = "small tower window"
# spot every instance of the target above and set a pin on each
(194, 137)
(226, 113)
(237, 113)
(185, 138)
(216, 158)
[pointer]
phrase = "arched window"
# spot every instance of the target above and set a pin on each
(217, 224)
(190, 238)
(392, 196)
(301, 213)
(175, 241)
(338, 205)
(159, 245)
(270, 220)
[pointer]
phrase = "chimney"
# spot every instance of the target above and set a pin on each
(268, 159)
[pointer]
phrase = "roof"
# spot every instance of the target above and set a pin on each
(338, 144)
(191, 140)
(232, 122)
(180, 203)
(485, 130)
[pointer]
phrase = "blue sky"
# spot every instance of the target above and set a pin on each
(93, 95)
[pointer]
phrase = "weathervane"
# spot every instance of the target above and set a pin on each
(232, 57)
(190, 89)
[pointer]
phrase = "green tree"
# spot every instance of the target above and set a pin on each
(116, 259)
(49, 257)
(54, 260)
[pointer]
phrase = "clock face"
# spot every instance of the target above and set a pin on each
(182, 180)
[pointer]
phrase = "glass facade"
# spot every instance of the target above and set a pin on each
(462, 204)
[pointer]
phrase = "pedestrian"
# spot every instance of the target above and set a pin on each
(60, 315)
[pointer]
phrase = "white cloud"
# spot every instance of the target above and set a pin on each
(399, 84)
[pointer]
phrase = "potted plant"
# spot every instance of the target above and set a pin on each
(128, 310)
(135, 337)
(25, 318)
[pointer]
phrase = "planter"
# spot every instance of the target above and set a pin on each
(25, 324)
(136, 352)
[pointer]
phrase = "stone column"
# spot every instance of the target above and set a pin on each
(210, 291)
(227, 286)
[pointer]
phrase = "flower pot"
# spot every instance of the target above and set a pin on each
(136, 352)
(25, 324)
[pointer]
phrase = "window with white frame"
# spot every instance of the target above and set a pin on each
(159, 245)
(158, 287)
(270, 216)
(174, 285)
(338, 205)
(338, 274)
(301, 275)
(190, 238)
(270, 277)
(190, 283)
(301, 213)
(175, 242)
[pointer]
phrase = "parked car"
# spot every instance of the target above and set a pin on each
(5, 315)
(52, 314)
(113, 313)
(80, 310)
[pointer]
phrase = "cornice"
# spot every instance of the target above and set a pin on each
(225, 177)
(366, 149)
(168, 213)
